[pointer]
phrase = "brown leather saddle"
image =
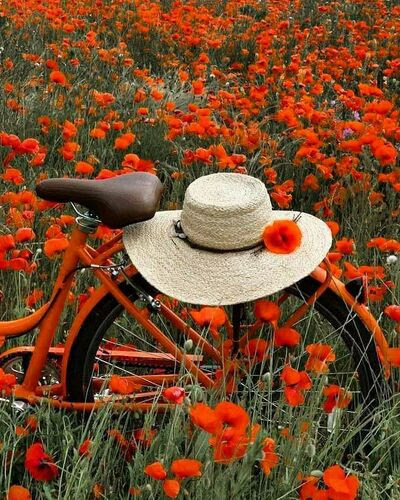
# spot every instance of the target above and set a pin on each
(117, 202)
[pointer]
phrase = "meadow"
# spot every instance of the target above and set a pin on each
(303, 95)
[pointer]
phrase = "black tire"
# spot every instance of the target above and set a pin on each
(355, 336)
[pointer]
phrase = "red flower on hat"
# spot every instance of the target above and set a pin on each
(282, 236)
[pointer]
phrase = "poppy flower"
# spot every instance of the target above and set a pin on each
(285, 336)
(97, 133)
(335, 397)
(13, 175)
(24, 234)
(144, 436)
(156, 471)
(232, 415)
(174, 394)
(84, 448)
(266, 310)
(320, 356)
(215, 317)
(82, 167)
(7, 382)
(345, 246)
(58, 77)
(333, 226)
(205, 417)
(39, 464)
(103, 99)
(393, 312)
(296, 383)
(186, 467)
(17, 492)
(256, 349)
(229, 445)
(269, 458)
(122, 385)
(7, 242)
(309, 490)
(54, 246)
(283, 236)
(124, 141)
(339, 484)
(393, 356)
(171, 488)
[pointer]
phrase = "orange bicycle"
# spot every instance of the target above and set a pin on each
(150, 342)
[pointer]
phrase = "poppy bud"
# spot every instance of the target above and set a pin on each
(316, 473)
(188, 345)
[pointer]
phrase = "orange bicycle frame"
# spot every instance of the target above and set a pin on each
(47, 319)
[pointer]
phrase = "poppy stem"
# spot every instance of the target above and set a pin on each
(236, 317)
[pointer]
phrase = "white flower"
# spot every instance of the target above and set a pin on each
(391, 259)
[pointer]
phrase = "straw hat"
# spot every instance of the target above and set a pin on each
(212, 252)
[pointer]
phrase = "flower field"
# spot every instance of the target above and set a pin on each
(304, 95)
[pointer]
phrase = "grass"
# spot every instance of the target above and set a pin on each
(269, 59)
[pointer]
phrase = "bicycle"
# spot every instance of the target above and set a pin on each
(99, 343)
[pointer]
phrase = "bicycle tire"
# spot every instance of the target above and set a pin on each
(356, 337)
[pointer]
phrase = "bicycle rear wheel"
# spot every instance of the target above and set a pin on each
(356, 370)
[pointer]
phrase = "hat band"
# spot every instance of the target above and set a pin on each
(179, 233)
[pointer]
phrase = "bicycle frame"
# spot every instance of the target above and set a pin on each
(47, 318)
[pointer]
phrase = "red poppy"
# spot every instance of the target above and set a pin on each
(82, 167)
(288, 337)
(156, 471)
(283, 236)
(335, 397)
(333, 226)
(6, 242)
(54, 246)
(215, 317)
(174, 394)
(84, 448)
(205, 417)
(171, 488)
(122, 385)
(269, 458)
(256, 349)
(339, 484)
(7, 382)
(266, 310)
(393, 356)
(233, 415)
(320, 356)
(393, 312)
(186, 467)
(24, 234)
(296, 383)
(58, 77)
(230, 444)
(345, 246)
(39, 464)
(17, 492)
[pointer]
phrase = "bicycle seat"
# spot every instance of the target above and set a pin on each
(118, 201)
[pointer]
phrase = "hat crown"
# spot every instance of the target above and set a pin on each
(225, 211)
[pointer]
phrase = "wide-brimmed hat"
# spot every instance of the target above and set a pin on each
(217, 250)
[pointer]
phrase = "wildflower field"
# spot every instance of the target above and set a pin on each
(302, 94)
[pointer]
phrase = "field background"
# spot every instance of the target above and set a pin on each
(301, 94)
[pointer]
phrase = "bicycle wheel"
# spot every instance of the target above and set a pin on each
(356, 369)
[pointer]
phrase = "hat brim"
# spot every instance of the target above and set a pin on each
(221, 278)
